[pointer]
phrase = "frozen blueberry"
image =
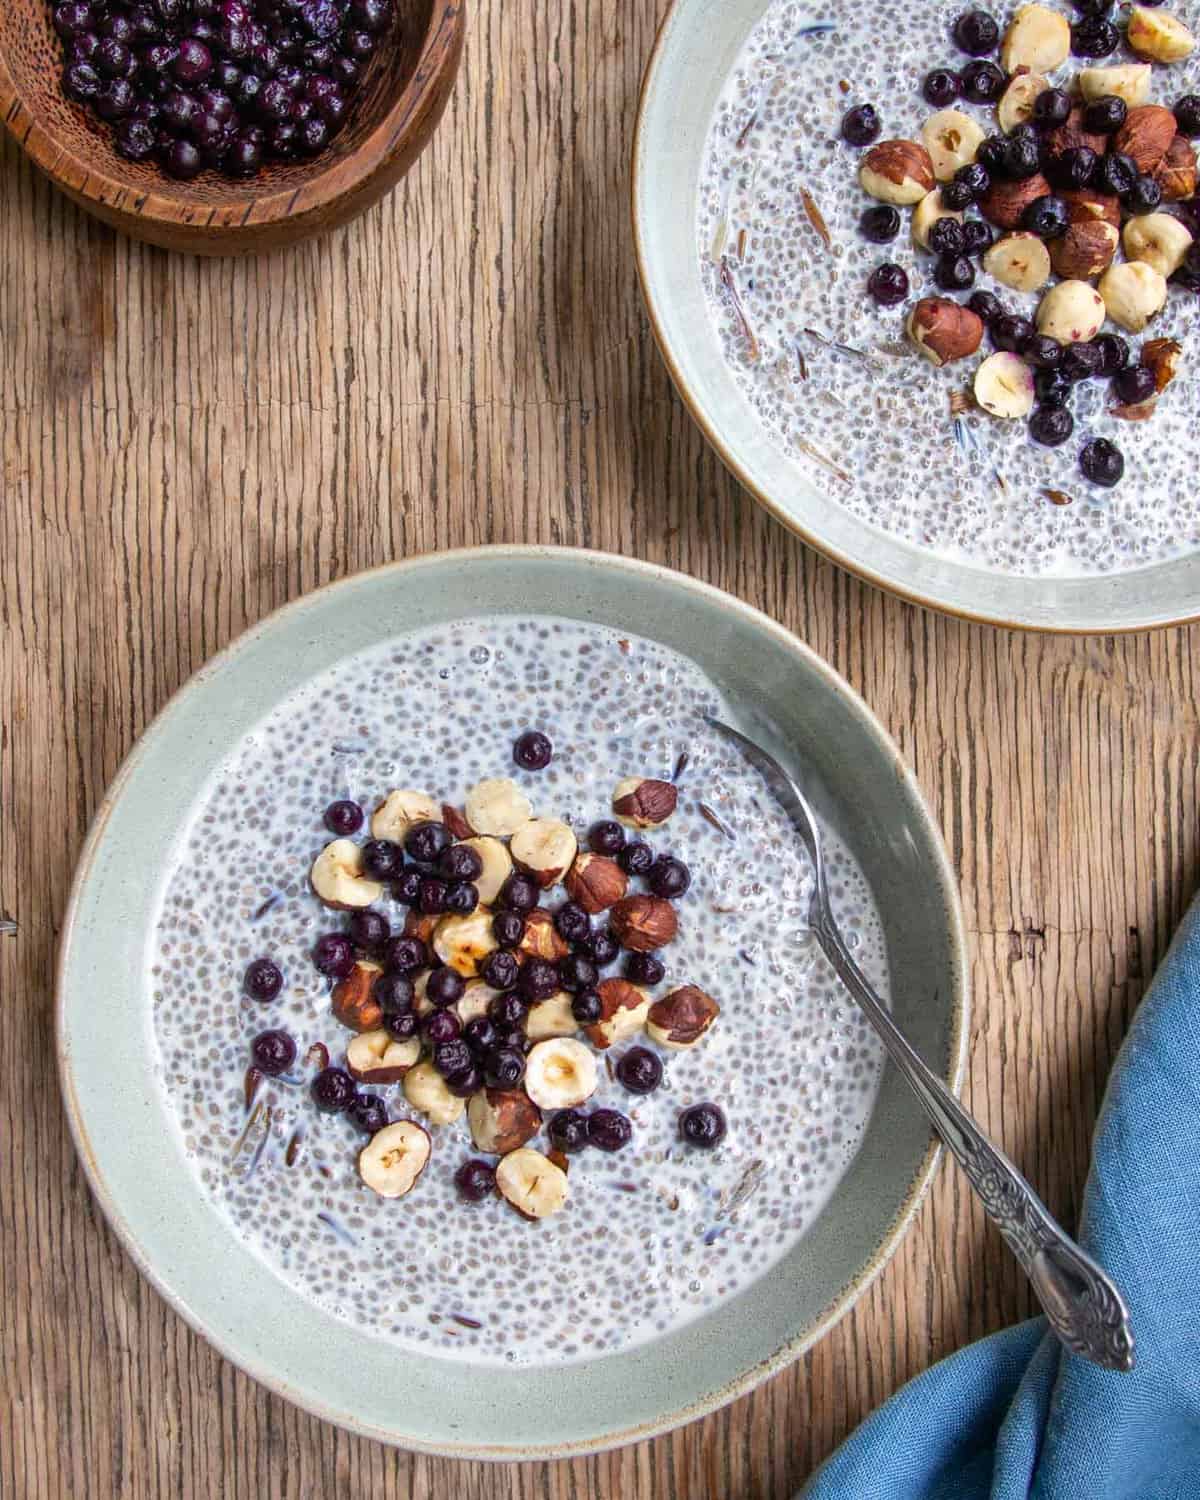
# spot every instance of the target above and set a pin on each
(441, 1026)
(465, 1081)
(368, 1113)
(333, 1090)
(452, 1056)
(608, 1129)
(1010, 331)
(1114, 353)
(1075, 168)
(636, 857)
(992, 155)
(504, 1067)
(1187, 114)
(1051, 425)
(481, 1035)
(956, 196)
(1093, 36)
(273, 1052)
(462, 898)
(405, 954)
(532, 751)
(1022, 158)
(382, 860)
(606, 837)
(1052, 387)
(1081, 361)
(879, 225)
(459, 862)
(445, 986)
(941, 87)
(946, 237)
(1042, 352)
(507, 1011)
(572, 922)
(669, 877)
(644, 968)
(1046, 216)
(519, 893)
(424, 842)
(975, 177)
(1144, 196)
(262, 980)
(394, 992)
(1106, 115)
(500, 970)
(508, 928)
(577, 972)
(368, 930)
(538, 980)
(888, 284)
(431, 897)
(586, 1007)
(1102, 463)
(402, 1026)
(1133, 385)
(983, 82)
(343, 818)
(1117, 174)
(602, 948)
(861, 125)
(406, 887)
(475, 1180)
(703, 1125)
(976, 33)
(1051, 107)
(985, 305)
(640, 1070)
(568, 1130)
(333, 955)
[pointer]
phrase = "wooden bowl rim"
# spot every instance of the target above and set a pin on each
(331, 185)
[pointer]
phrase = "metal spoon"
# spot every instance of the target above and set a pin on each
(1085, 1309)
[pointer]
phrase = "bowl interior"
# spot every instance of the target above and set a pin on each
(696, 49)
(34, 56)
(420, 1400)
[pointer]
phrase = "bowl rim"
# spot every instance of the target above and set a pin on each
(157, 210)
(886, 582)
(958, 1014)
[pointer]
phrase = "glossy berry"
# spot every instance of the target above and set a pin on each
(1075, 168)
(273, 1052)
(368, 930)
(464, 1081)
(669, 877)
(393, 992)
(1133, 385)
(1042, 352)
(1051, 425)
(861, 125)
(577, 972)
(954, 273)
(452, 1056)
(532, 751)
(608, 837)
(475, 1180)
(462, 898)
(955, 196)
(985, 305)
(262, 980)
(1100, 7)
(1117, 174)
(332, 1090)
(572, 923)
(1046, 216)
(368, 1113)
(1022, 158)
(508, 928)
(343, 818)
(1144, 196)
(1106, 115)
(402, 1026)
(703, 1125)
(977, 236)
(1081, 361)
(644, 968)
(1102, 463)
(445, 986)
(1188, 274)
(976, 33)
(1187, 114)
(459, 862)
(888, 284)
(636, 857)
(406, 887)
(404, 954)
(182, 160)
(602, 948)
(504, 1067)
(1052, 387)
(568, 1130)
(481, 1035)
(1051, 107)
(519, 893)
(586, 1007)
(499, 970)
(1114, 353)
(983, 82)
(946, 237)
(441, 1026)
(879, 224)
(333, 955)
(431, 897)
(382, 860)
(975, 177)
(992, 154)
(507, 1011)
(424, 842)
(941, 87)
(640, 1070)
(1094, 37)
(538, 980)
(1010, 331)
(608, 1129)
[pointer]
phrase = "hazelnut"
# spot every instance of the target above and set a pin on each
(1129, 81)
(501, 1120)
(425, 1089)
(952, 139)
(1084, 205)
(1017, 101)
(533, 1184)
(560, 1073)
(681, 1018)
(596, 883)
(644, 923)
(1176, 172)
(476, 998)
(1158, 36)
(543, 849)
(1004, 385)
(464, 942)
(623, 1011)
(1158, 239)
(1161, 357)
(1038, 39)
(399, 810)
(497, 806)
(457, 823)
(1072, 134)
(541, 939)
(1005, 202)
(1071, 312)
(926, 214)
(1146, 135)
(944, 330)
(553, 1017)
(394, 1158)
(338, 879)
(1019, 260)
(420, 925)
(353, 1001)
(376, 1057)
(643, 803)
(1085, 250)
(898, 172)
(1133, 292)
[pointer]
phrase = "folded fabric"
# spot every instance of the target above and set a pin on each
(1015, 1415)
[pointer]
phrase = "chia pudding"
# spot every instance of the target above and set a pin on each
(652, 1234)
(831, 375)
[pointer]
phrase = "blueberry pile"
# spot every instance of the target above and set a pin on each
(221, 84)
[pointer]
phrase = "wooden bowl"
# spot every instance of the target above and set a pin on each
(393, 116)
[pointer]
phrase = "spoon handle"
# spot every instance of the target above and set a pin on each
(1084, 1308)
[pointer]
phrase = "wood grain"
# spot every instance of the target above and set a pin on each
(187, 444)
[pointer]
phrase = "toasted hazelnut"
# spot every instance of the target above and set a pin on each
(502, 1120)
(1084, 205)
(1129, 81)
(1017, 101)
(476, 997)
(1071, 312)
(399, 810)
(394, 1158)
(560, 1073)
(644, 923)
(1133, 292)
(1160, 240)
(1085, 250)
(456, 822)
(1019, 260)
(897, 172)
(1158, 36)
(1162, 357)
(952, 139)
(623, 1011)
(497, 866)
(1176, 172)
(533, 1184)
(1146, 135)
(1005, 202)
(1072, 134)
(596, 883)
(544, 849)
(681, 1018)
(926, 214)
(944, 330)
(420, 925)
(353, 1001)
(338, 880)
(1038, 39)
(425, 1089)
(641, 802)
(464, 942)
(542, 939)
(497, 807)
(553, 1017)
(376, 1057)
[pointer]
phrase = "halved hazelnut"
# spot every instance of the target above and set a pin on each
(681, 1018)
(543, 848)
(455, 820)
(1158, 36)
(1037, 39)
(338, 880)
(399, 810)
(394, 1158)
(464, 942)
(353, 1000)
(376, 1057)
(532, 1183)
(560, 1073)
(542, 939)
(595, 882)
(476, 998)
(549, 1018)
(497, 807)
(1071, 312)
(641, 802)
(1128, 81)
(497, 867)
(644, 923)
(1161, 240)
(623, 1012)
(1133, 292)
(501, 1120)
(952, 139)
(425, 1089)
(1161, 357)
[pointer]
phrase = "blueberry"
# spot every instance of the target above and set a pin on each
(1051, 425)
(1106, 115)
(1081, 361)
(702, 1125)
(459, 862)
(406, 888)
(404, 954)
(343, 818)
(1022, 158)
(394, 992)
(462, 897)
(1133, 385)
(1010, 331)
(587, 1007)
(81, 82)
(992, 155)
(608, 1129)
(577, 972)
(983, 82)
(274, 100)
(977, 236)
(532, 751)
(115, 99)
(368, 1113)
(135, 140)
(879, 224)
(985, 305)
(440, 1026)
(452, 1056)
(1188, 274)
(1117, 174)
(571, 922)
(954, 273)
(508, 928)
(402, 1026)
(975, 177)
(519, 893)
(568, 1130)
(636, 857)
(1102, 463)
(1042, 352)
(332, 1090)
(1094, 37)
(1052, 387)
(500, 970)
(445, 986)
(644, 968)
(861, 125)
(945, 238)
(1114, 353)
(1187, 114)
(431, 896)
(504, 1067)
(273, 1052)
(475, 1180)
(112, 59)
(368, 930)
(1046, 216)
(669, 877)
(888, 284)
(941, 87)
(976, 33)
(514, 1037)
(481, 1035)
(465, 1081)
(381, 859)
(1099, 7)
(333, 955)
(1052, 107)
(507, 1010)
(1078, 167)
(193, 62)
(640, 1070)
(372, 15)
(244, 156)
(320, 18)
(425, 842)
(75, 19)
(608, 837)
(538, 980)
(360, 45)
(1144, 196)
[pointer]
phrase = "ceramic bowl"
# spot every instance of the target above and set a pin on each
(395, 112)
(696, 49)
(118, 1114)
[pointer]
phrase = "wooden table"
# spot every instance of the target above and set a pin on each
(186, 445)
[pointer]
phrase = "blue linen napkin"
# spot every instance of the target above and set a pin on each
(1014, 1415)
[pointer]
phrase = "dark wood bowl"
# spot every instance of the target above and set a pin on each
(394, 114)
